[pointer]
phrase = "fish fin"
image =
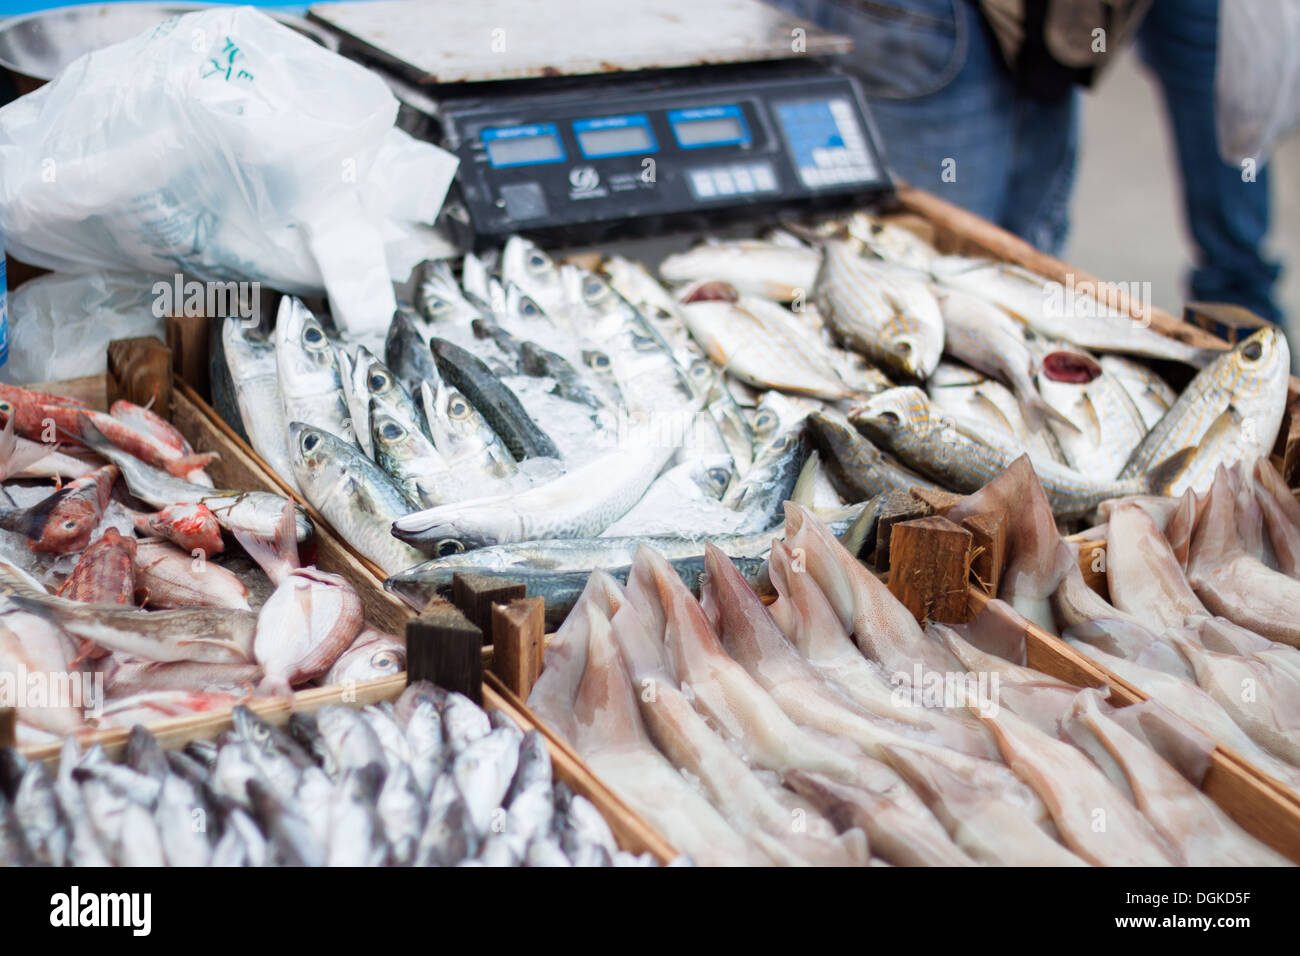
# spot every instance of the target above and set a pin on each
(93, 438)
(1160, 479)
(1203, 357)
(1038, 413)
(280, 556)
(862, 531)
(992, 407)
(804, 485)
(31, 522)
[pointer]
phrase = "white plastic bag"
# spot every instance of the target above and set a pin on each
(1257, 77)
(60, 325)
(227, 146)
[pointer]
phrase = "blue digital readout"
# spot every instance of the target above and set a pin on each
(615, 136)
(709, 126)
(529, 145)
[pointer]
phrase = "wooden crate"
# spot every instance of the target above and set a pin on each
(238, 469)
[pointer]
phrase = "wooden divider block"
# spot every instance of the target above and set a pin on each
(518, 639)
(1288, 445)
(187, 337)
(898, 506)
(929, 568)
(8, 727)
(939, 501)
(988, 549)
(140, 371)
(445, 647)
(476, 593)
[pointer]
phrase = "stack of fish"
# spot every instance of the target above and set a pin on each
(207, 636)
(829, 728)
(431, 780)
(1201, 616)
(554, 416)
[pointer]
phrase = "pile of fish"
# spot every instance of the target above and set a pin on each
(431, 780)
(1203, 592)
(830, 728)
(545, 416)
(152, 616)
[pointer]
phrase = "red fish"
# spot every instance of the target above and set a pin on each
(142, 419)
(63, 522)
(15, 394)
(43, 422)
(105, 572)
(151, 449)
(188, 525)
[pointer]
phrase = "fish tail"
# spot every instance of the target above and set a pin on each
(1161, 479)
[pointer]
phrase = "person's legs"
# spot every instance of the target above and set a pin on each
(950, 118)
(1226, 214)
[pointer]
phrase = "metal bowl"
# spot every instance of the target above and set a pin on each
(37, 46)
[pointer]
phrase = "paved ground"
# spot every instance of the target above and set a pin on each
(1127, 219)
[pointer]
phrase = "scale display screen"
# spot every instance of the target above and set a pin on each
(709, 126)
(523, 145)
(614, 136)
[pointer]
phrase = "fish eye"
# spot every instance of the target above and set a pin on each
(391, 431)
(6, 407)
(528, 307)
(903, 348)
(662, 313)
(387, 661)
(313, 335)
(597, 359)
(448, 546)
(718, 476)
(763, 420)
(310, 441)
(699, 370)
(458, 408)
(537, 261)
(1252, 351)
(378, 382)
(70, 525)
(891, 419)
(593, 288)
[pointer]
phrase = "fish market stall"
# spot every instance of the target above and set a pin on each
(700, 477)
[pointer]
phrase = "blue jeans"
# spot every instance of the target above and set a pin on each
(1227, 216)
(950, 118)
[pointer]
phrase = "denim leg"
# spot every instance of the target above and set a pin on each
(1227, 216)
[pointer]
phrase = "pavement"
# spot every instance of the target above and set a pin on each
(1127, 221)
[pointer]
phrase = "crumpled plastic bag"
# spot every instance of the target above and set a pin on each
(226, 146)
(1257, 77)
(60, 325)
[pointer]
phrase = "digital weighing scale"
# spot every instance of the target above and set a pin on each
(579, 121)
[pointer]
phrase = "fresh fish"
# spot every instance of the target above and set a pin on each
(171, 578)
(256, 512)
(195, 634)
(462, 436)
(1133, 642)
(579, 504)
(535, 273)
(311, 382)
(766, 350)
(493, 400)
(31, 643)
(986, 404)
(355, 495)
(885, 314)
(1233, 583)
(1055, 312)
(1151, 394)
(541, 363)
(1099, 426)
(414, 465)
(752, 267)
(105, 572)
(856, 468)
(189, 525)
(1237, 399)
(983, 336)
(770, 480)
(406, 351)
(677, 497)
(905, 422)
(255, 378)
(1143, 575)
(64, 522)
(438, 296)
(372, 655)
